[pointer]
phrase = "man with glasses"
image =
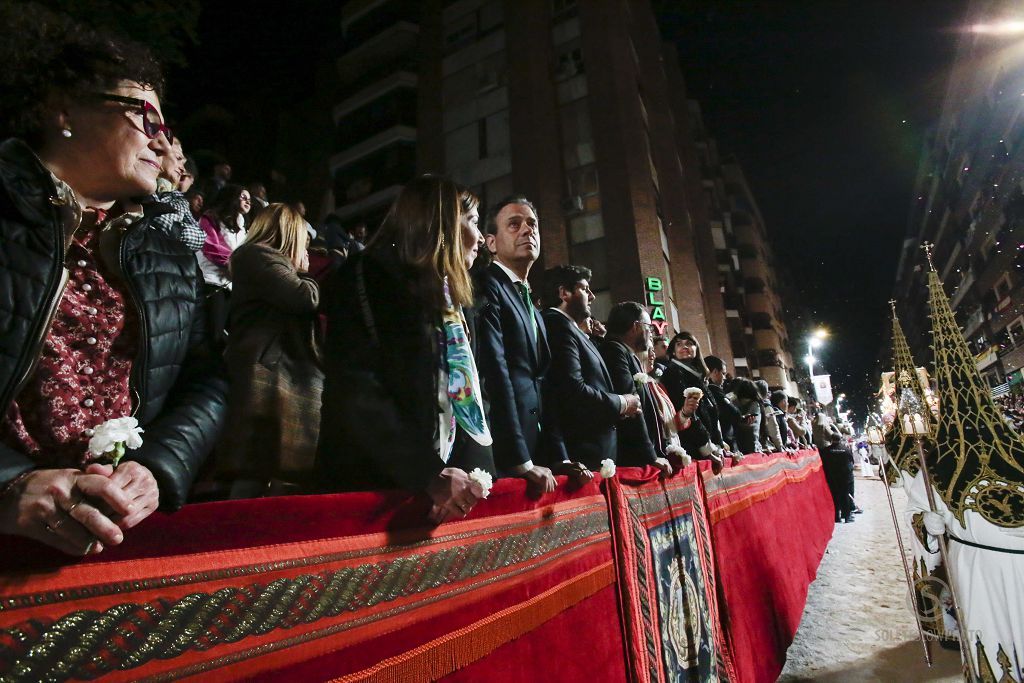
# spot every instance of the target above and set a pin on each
(176, 219)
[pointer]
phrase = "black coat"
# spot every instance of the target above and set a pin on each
(728, 414)
(639, 441)
(380, 412)
(513, 366)
(579, 391)
(676, 380)
(180, 392)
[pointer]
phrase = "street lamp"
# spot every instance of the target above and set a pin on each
(999, 28)
(816, 339)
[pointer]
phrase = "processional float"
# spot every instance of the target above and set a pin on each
(974, 485)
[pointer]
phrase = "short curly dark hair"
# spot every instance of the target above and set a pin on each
(48, 56)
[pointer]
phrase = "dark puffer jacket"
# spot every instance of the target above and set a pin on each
(179, 396)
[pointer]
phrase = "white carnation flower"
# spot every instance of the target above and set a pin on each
(673, 449)
(114, 436)
(607, 468)
(480, 483)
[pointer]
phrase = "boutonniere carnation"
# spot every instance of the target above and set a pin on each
(640, 379)
(480, 483)
(607, 468)
(113, 437)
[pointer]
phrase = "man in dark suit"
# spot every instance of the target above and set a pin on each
(728, 414)
(514, 354)
(629, 332)
(578, 387)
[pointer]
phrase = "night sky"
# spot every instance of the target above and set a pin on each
(825, 104)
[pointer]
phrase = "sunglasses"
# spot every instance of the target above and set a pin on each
(152, 124)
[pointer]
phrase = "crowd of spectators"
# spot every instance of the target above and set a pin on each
(1012, 406)
(253, 364)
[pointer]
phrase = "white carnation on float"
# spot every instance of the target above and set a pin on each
(607, 468)
(114, 436)
(480, 483)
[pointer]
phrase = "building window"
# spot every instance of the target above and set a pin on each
(593, 255)
(1002, 287)
(570, 63)
(1016, 332)
(586, 228)
(563, 9)
(460, 33)
(481, 137)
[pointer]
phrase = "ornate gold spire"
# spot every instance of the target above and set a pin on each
(979, 463)
(899, 444)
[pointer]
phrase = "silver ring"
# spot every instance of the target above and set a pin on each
(89, 548)
(56, 525)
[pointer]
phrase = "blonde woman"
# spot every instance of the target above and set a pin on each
(273, 360)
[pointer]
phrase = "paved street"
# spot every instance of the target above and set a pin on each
(857, 625)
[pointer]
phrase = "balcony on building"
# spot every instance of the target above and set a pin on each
(369, 185)
(386, 119)
(376, 32)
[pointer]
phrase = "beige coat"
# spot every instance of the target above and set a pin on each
(273, 359)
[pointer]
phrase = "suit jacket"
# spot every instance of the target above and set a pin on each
(728, 414)
(748, 434)
(578, 389)
(513, 364)
(639, 441)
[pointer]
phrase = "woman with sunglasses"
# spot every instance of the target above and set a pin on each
(99, 308)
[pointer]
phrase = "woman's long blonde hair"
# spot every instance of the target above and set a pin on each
(424, 227)
(280, 227)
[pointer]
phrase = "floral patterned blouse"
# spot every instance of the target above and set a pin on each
(82, 377)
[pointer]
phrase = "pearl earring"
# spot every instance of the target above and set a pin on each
(66, 132)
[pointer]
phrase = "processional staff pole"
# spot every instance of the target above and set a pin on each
(911, 413)
(877, 444)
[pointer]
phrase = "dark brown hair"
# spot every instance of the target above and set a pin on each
(50, 59)
(423, 231)
(698, 358)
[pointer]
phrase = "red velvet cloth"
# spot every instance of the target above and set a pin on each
(243, 523)
(768, 519)
(583, 643)
(767, 552)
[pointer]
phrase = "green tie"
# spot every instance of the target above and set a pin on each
(524, 294)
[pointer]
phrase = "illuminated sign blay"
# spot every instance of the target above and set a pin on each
(653, 288)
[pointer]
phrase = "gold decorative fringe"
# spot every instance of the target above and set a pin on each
(444, 655)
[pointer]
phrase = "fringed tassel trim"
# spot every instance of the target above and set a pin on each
(444, 655)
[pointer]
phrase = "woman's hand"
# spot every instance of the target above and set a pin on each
(451, 494)
(62, 508)
(138, 485)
